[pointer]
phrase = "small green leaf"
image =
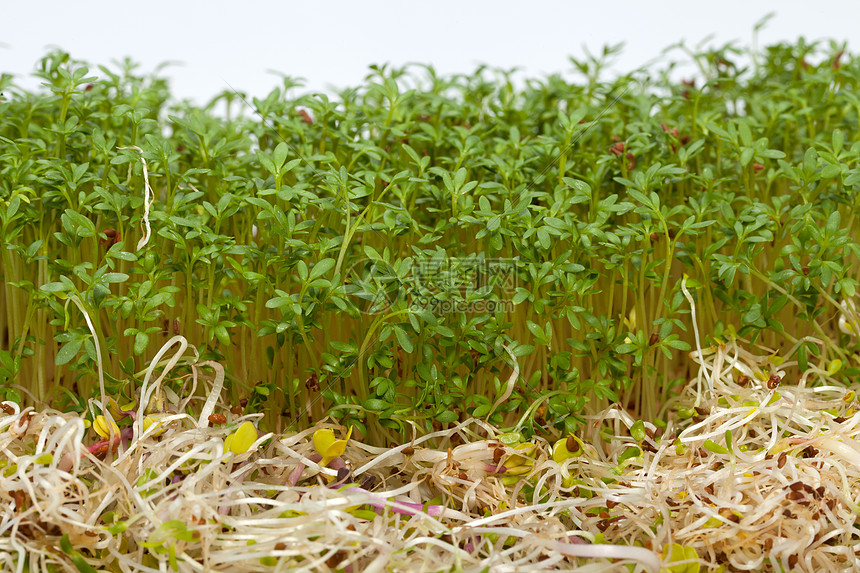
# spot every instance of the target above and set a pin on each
(544, 238)
(375, 404)
(713, 446)
(567, 448)
(66, 545)
(630, 452)
(523, 350)
(68, 351)
(521, 295)
(403, 340)
(511, 438)
(810, 160)
(114, 277)
(802, 358)
(302, 269)
(637, 430)
(55, 287)
(222, 335)
(279, 156)
(687, 558)
(117, 528)
(80, 563)
(447, 416)
(833, 221)
(837, 140)
(321, 268)
(141, 341)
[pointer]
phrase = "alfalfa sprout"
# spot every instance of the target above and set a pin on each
(759, 470)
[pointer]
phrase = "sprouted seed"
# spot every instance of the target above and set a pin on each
(764, 479)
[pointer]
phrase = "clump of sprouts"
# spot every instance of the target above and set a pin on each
(756, 465)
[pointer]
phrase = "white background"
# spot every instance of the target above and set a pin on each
(332, 43)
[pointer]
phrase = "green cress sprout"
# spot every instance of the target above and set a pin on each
(578, 321)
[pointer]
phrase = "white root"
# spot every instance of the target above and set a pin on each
(509, 386)
(756, 480)
(148, 200)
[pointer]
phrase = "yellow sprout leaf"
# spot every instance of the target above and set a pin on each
(103, 427)
(526, 448)
(566, 448)
(241, 440)
(630, 320)
(113, 408)
(328, 446)
(520, 464)
(779, 447)
(835, 366)
(154, 419)
(680, 553)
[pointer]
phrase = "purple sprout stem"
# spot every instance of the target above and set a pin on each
(296, 474)
(125, 436)
(402, 507)
(99, 448)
